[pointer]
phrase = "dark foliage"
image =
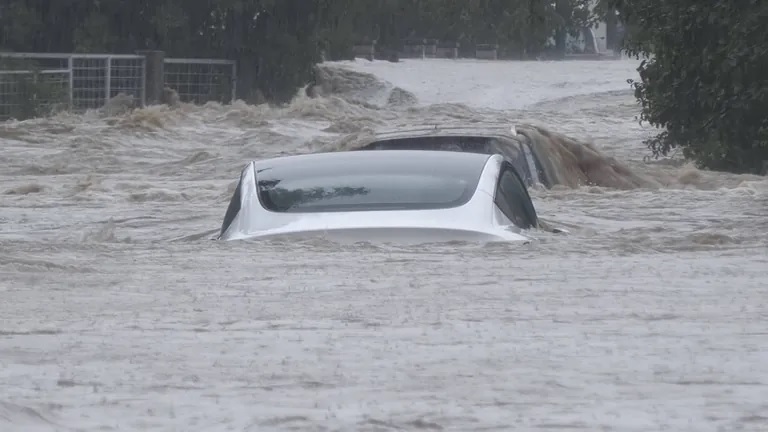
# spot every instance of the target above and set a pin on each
(703, 79)
(276, 42)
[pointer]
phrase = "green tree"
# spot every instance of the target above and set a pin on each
(703, 78)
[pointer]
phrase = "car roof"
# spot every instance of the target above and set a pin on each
(379, 159)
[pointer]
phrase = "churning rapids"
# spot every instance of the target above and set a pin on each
(119, 313)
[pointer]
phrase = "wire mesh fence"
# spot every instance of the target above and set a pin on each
(34, 84)
(95, 80)
(127, 76)
(25, 94)
(201, 80)
(32, 87)
(89, 80)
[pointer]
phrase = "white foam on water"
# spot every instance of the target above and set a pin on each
(118, 313)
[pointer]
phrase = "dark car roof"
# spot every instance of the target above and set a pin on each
(488, 141)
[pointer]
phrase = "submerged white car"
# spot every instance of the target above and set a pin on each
(411, 196)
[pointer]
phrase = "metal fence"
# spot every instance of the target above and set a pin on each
(33, 84)
(95, 80)
(20, 93)
(76, 81)
(201, 80)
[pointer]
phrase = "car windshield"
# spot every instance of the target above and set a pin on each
(378, 184)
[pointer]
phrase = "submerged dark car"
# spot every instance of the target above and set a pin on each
(540, 156)
(517, 149)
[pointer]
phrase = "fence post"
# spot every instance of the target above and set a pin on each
(234, 82)
(154, 75)
(108, 79)
(71, 67)
(247, 68)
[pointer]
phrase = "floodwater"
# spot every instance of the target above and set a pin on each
(118, 312)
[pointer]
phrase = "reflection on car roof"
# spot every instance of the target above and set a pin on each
(395, 158)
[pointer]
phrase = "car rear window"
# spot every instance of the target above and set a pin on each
(374, 183)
